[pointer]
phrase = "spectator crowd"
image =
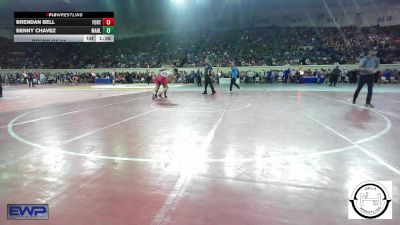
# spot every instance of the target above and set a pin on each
(267, 46)
(196, 76)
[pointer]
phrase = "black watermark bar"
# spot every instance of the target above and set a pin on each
(63, 38)
(63, 14)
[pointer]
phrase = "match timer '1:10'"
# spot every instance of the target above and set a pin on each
(64, 26)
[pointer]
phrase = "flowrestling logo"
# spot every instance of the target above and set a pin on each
(371, 200)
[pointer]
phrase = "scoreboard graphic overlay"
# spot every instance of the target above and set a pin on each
(64, 26)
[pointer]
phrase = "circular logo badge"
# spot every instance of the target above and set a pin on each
(370, 200)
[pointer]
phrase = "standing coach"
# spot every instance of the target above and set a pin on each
(234, 75)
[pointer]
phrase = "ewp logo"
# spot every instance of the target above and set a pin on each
(27, 211)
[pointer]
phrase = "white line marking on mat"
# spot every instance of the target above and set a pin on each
(348, 102)
(72, 112)
(210, 160)
(247, 105)
(371, 109)
(372, 155)
(183, 181)
(105, 127)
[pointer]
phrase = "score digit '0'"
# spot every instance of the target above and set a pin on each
(108, 21)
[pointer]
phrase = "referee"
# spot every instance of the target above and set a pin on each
(207, 77)
(367, 68)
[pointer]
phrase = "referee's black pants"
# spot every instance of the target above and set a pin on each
(334, 80)
(207, 81)
(365, 79)
(198, 82)
(1, 89)
(233, 82)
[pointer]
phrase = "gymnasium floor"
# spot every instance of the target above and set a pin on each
(283, 154)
